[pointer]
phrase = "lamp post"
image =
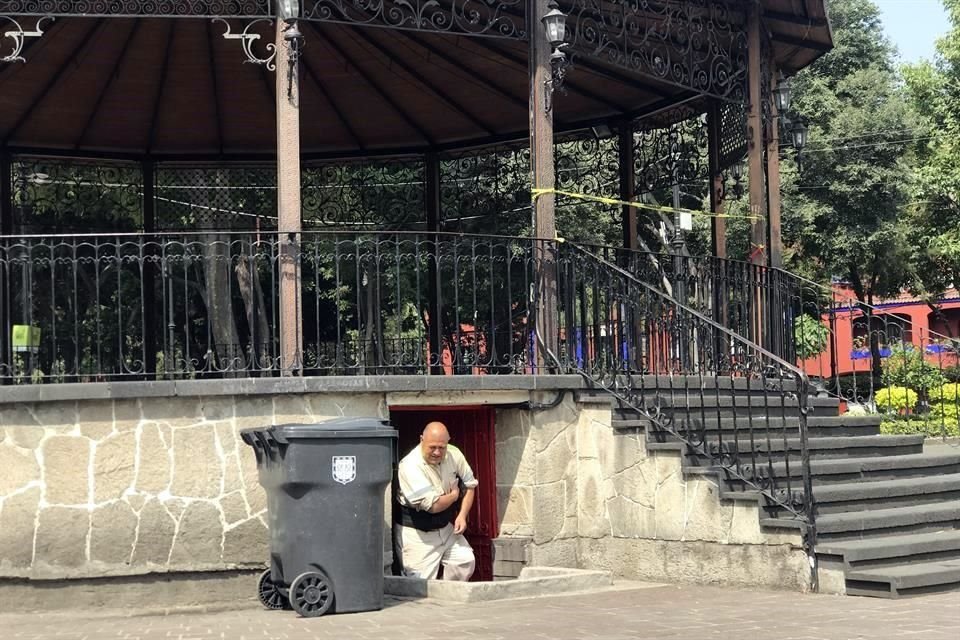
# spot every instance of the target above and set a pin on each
(555, 25)
(289, 12)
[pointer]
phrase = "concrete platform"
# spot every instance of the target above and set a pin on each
(533, 581)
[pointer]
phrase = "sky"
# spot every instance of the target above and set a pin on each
(914, 25)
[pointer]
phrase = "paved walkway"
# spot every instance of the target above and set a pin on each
(625, 613)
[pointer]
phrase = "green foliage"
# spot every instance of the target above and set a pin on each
(895, 399)
(920, 425)
(809, 336)
(947, 394)
(907, 367)
(935, 215)
(952, 373)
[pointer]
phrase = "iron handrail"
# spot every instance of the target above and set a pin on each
(749, 475)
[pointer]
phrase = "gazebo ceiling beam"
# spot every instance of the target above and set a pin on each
(109, 83)
(54, 79)
(214, 88)
(341, 116)
(790, 18)
(161, 81)
(474, 75)
(430, 86)
(572, 86)
(332, 42)
(800, 42)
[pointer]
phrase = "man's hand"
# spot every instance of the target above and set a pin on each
(454, 494)
(460, 524)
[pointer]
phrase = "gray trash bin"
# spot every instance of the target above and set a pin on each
(325, 485)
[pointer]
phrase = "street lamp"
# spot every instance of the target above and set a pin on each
(289, 11)
(555, 25)
(798, 132)
(782, 94)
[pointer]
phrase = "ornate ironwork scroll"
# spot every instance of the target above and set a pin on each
(695, 44)
(675, 154)
(247, 39)
(225, 198)
(372, 194)
(58, 196)
(492, 18)
(486, 190)
(139, 9)
(587, 165)
(19, 36)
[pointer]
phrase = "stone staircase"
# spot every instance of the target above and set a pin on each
(888, 512)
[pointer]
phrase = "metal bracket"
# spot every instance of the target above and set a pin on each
(247, 40)
(19, 37)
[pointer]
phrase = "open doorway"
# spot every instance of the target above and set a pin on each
(472, 431)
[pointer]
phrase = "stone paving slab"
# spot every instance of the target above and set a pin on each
(627, 612)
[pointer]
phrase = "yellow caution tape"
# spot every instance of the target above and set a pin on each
(639, 205)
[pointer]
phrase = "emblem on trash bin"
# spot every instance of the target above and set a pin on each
(344, 469)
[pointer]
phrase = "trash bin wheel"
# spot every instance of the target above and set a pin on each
(269, 593)
(311, 594)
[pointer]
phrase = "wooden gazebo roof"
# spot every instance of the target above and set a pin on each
(135, 86)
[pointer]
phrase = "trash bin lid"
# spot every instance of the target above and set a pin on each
(336, 428)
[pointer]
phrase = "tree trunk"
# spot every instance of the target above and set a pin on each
(248, 283)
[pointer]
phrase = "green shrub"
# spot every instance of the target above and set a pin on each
(923, 424)
(810, 336)
(895, 399)
(952, 373)
(906, 367)
(946, 394)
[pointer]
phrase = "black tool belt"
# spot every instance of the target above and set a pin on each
(424, 520)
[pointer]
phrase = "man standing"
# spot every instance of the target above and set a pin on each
(434, 477)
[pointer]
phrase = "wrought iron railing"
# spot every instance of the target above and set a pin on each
(169, 306)
(898, 359)
(734, 404)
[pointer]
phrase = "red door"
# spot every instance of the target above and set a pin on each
(471, 431)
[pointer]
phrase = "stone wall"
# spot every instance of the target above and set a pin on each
(154, 481)
(141, 485)
(140, 478)
(592, 498)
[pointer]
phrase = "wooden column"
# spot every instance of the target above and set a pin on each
(718, 226)
(773, 182)
(434, 289)
(542, 177)
(628, 187)
(758, 231)
(288, 207)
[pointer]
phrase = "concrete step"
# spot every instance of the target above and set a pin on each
(888, 550)
(760, 449)
(880, 522)
(916, 578)
(723, 384)
(863, 496)
(724, 405)
(816, 425)
(846, 470)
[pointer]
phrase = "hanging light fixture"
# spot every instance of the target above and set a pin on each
(798, 132)
(288, 10)
(555, 25)
(555, 22)
(782, 94)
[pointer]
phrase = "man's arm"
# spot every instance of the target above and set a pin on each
(443, 502)
(460, 524)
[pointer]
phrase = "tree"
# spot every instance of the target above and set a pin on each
(844, 198)
(934, 216)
